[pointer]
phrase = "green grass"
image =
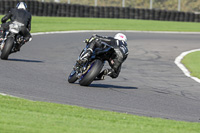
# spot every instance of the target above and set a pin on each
(22, 116)
(46, 24)
(192, 63)
(19, 115)
(41, 24)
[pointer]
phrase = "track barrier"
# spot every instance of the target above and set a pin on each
(37, 8)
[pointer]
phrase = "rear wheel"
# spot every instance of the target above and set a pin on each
(92, 72)
(7, 48)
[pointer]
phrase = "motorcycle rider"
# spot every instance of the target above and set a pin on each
(118, 56)
(21, 15)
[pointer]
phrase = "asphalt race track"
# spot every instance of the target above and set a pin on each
(150, 84)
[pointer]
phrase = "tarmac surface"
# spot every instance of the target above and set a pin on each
(150, 84)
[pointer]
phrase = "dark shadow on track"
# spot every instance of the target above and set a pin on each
(23, 60)
(112, 86)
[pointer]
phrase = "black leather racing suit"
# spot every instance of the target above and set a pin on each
(21, 16)
(118, 56)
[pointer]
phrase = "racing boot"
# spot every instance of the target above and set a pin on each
(85, 57)
(17, 48)
(102, 75)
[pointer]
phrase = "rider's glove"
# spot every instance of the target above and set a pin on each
(94, 37)
(86, 41)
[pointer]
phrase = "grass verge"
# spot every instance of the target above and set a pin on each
(19, 115)
(41, 24)
(22, 116)
(47, 24)
(192, 63)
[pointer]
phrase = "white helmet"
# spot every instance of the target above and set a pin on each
(120, 36)
(21, 5)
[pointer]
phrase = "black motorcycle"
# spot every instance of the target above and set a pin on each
(88, 71)
(12, 39)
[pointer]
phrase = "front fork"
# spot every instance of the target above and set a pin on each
(4, 40)
(2, 44)
(80, 69)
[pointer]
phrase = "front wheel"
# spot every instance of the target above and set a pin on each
(7, 48)
(72, 77)
(92, 72)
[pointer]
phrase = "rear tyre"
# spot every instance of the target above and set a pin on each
(72, 77)
(7, 48)
(92, 72)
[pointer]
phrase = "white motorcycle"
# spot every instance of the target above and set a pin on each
(11, 40)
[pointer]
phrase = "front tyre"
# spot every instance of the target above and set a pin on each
(7, 48)
(93, 71)
(72, 77)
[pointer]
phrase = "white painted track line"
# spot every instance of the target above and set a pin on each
(182, 67)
